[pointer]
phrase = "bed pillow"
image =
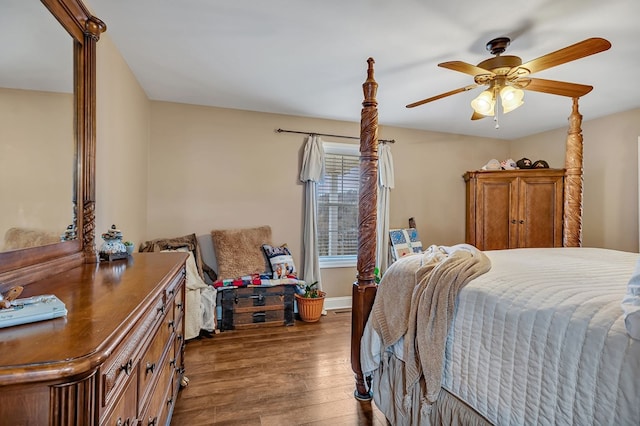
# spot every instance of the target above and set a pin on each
(631, 305)
(239, 251)
(280, 261)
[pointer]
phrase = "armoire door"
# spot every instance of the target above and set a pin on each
(540, 211)
(494, 210)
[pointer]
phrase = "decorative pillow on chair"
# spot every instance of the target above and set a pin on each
(238, 251)
(281, 261)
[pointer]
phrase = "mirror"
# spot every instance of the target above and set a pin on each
(37, 149)
(77, 201)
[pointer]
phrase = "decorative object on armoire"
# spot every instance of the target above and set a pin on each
(311, 303)
(514, 208)
(540, 164)
(112, 248)
(508, 164)
(492, 164)
(523, 163)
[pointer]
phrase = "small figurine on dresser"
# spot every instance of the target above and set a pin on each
(10, 296)
(113, 248)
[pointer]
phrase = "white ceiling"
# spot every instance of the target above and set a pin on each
(308, 58)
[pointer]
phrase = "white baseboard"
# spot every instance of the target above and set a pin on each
(333, 303)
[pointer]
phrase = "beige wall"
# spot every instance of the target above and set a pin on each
(167, 169)
(610, 207)
(122, 146)
(214, 168)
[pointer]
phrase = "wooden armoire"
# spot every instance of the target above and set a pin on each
(514, 208)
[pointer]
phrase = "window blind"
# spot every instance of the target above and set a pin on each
(338, 197)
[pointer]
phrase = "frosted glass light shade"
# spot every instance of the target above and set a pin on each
(511, 98)
(484, 104)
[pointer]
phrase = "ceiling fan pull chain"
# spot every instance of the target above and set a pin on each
(497, 112)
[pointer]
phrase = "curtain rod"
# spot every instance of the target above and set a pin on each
(333, 136)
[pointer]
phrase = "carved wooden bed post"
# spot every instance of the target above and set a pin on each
(364, 290)
(572, 234)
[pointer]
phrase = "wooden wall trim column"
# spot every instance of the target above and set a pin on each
(87, 113)
(572, 229)
(364, 289)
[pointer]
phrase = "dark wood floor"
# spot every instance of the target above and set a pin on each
(296, 375)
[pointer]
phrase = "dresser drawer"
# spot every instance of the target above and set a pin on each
(175, 286)
(123, 361)
(125, 408)
(150, 362)
(162, 399)
(178, 306)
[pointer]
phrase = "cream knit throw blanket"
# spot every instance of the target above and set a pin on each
(416, 299)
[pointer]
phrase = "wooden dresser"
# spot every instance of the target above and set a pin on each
(514, 208)
(115, 359)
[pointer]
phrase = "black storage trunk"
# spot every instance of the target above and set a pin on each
(249, 307)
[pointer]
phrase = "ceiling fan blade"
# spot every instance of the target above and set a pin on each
(477, 116)
(442, 95)
(562, 88)
(464, 67)
(579, 50)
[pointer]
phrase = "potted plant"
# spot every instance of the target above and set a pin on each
(310, 303)
(129, 246)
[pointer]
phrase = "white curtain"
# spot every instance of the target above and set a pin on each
(385, 184)
(311, 173)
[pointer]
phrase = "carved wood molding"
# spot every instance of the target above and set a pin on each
(364, 289)
(573, 182)
(126, 355)
(74, 402)
(367, 213)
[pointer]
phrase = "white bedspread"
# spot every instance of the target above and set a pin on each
(540, 340)
(540, 365)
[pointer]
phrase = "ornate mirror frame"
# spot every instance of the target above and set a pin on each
(21, 267)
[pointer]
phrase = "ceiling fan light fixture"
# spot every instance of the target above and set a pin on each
(511, 98)
(484, 103)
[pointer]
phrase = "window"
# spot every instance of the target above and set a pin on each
(337, 200)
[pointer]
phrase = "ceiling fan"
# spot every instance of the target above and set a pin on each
(506, 76)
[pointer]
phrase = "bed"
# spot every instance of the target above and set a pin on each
(455, 335)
